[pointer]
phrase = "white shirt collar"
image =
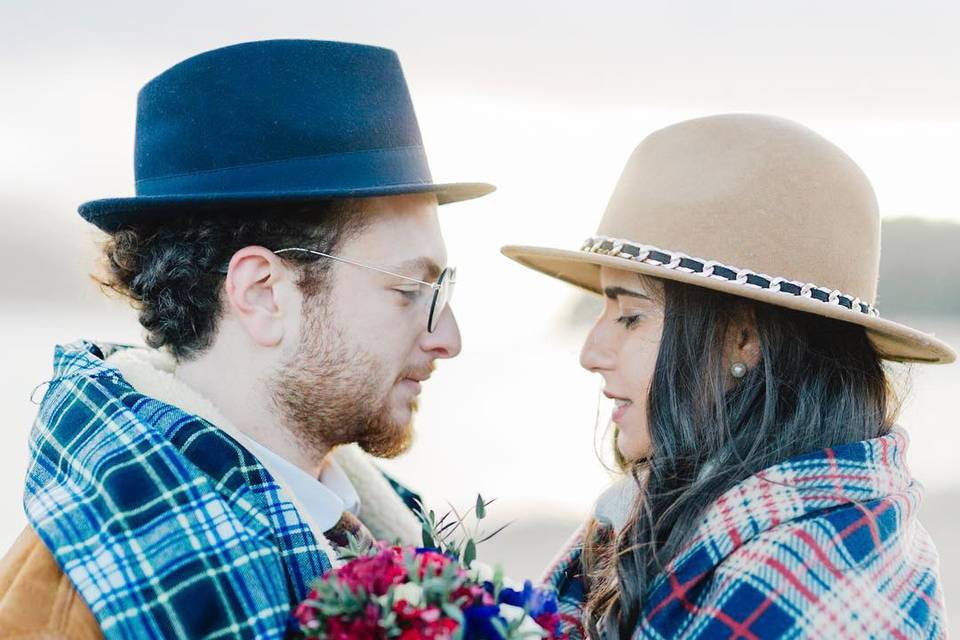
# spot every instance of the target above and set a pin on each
(326, 499)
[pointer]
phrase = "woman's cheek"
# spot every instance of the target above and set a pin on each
(633, 438)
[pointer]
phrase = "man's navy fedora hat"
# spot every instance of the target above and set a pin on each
(272, 122)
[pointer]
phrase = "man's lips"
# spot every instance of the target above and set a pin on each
(410, 383)
(412, 379)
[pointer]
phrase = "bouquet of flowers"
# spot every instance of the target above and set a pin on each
(436, 591)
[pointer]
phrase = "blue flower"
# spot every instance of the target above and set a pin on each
(421, 550)
(535, 601)
(479, 622)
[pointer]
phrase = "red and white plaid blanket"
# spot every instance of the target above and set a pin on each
(824, 545)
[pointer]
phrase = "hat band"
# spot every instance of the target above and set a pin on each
(339, 171)
(678, 261)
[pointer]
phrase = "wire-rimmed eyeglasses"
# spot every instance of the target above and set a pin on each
(442, 289)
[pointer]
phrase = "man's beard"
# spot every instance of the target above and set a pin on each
(328, 395)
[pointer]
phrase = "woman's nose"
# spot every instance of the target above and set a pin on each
(597, 354)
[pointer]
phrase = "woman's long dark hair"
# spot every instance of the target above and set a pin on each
(819, 383)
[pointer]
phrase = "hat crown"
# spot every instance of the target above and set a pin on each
(752, 192)
(271, 122)
(271, 101)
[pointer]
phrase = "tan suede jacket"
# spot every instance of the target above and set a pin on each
(37, 600)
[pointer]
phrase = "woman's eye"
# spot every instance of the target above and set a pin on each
(629, 321)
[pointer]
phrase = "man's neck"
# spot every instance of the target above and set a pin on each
(233, 382)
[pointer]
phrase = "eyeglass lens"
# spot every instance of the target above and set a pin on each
(441, 297)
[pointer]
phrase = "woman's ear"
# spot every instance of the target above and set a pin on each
(742, 342)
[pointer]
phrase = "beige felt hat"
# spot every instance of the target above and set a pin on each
(751, 205)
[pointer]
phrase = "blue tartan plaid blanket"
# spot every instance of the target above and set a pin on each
(167, 527)
(825, 545)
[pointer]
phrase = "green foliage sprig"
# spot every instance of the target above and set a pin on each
(443, 533)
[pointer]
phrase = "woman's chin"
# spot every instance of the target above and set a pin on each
(632, 446)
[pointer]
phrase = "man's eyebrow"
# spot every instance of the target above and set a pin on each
(422, 268)
(614, 292)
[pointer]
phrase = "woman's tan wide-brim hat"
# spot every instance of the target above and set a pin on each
(754, 206)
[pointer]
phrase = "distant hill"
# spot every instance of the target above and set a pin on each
(920, 267)
(46, 254)
(919, 272)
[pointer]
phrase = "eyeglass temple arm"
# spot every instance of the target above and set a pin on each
(432, 285)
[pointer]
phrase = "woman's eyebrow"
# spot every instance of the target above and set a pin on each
(614, 292)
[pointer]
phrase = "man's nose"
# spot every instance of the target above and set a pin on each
(444, 342)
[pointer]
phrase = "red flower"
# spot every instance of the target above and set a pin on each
(376, 574)
(549, 621)
(472, 594)
(305, 613)
(367, 626)
(423, 624)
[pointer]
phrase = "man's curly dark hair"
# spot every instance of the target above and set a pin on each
(171, 272)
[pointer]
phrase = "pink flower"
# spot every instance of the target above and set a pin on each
(433, 562)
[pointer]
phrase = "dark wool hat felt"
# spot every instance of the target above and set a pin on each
(273, 122)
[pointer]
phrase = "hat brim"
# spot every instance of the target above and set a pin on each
(111, 214)
(893, 341)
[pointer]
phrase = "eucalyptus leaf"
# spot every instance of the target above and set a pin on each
(453, 612)
(500, 626)
(485, 538)
(469, 553)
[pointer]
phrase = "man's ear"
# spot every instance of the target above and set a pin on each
(742, 342)
(252, 286)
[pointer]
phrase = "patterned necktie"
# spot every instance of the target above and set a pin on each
(348, 524)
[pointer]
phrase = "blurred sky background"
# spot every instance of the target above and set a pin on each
(545, 100)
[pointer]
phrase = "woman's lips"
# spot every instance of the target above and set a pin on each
(621, 407)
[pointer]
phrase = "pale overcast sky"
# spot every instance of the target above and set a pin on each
(70, 70)
(875, 58)
(544, 99)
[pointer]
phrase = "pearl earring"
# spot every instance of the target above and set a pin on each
(738, 370)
